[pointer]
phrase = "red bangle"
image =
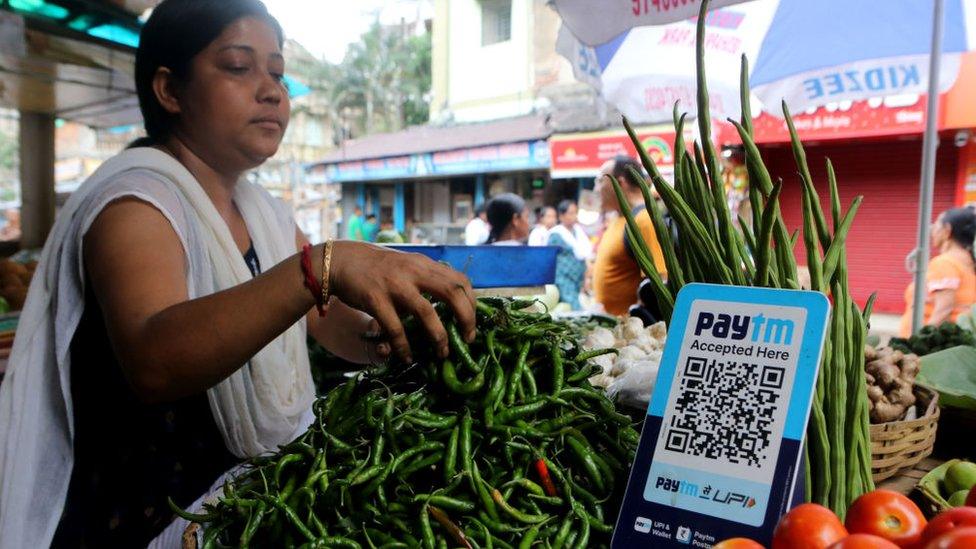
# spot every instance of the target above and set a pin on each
(310, 281)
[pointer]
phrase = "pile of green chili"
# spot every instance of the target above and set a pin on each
(503, 444)
(760, 252)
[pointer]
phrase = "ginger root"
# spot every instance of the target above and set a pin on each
(890, 376)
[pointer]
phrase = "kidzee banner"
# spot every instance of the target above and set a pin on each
(719, 456)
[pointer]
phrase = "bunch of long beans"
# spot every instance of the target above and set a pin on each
(761, 253)
(503, 444)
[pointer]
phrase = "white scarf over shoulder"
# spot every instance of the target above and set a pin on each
(262, 405)
(582, 248)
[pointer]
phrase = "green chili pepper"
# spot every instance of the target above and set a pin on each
(563, 533)
(515, 513)
(516, 412)
(515, 379)
(558, 373)
(449, 376)
(529, 537)
(478, 486)
(585, 372)
(587, 355)
(199, 519)
(426, 532)
(450, 455)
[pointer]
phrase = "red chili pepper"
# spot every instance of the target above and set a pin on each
(547, 485)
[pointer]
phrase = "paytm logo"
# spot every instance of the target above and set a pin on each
(738, 327)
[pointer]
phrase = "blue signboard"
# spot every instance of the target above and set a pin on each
(719, 456)
(523, 155)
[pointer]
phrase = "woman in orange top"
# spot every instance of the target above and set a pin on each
(951, 275)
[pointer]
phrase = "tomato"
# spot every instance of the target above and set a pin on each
(959, 538)
(739, 543)
(949, 520)
(808, 526)
(971, 498)
(863, 541)
(889, 515)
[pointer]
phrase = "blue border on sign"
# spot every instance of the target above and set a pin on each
(818, 308)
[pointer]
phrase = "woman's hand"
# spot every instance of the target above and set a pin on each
(389, 284)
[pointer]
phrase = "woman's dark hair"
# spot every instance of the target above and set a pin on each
(175, 33)
(622, 166)
(501, 210)
(962, 226)
(564, 205)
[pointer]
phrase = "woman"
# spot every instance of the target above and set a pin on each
(575, 250)
(951, 275)
(545, 220)
(164, 338)
(509, 220)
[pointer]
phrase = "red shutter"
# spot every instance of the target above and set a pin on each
(885, 230)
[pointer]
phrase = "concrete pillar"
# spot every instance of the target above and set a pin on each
(479, 190)
(361, 196)
(36, 178)
(400, 208)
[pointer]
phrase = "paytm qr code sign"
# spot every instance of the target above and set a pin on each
(720, 452)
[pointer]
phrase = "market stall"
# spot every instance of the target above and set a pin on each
(513, 440)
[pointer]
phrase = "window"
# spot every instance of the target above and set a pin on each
(496, 21)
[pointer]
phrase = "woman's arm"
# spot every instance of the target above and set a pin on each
(170, 347)
(943, 303)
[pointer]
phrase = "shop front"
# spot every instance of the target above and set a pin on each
(876, 147)
(431, 192)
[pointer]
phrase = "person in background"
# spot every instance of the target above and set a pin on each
(509, 220)
(616, 274)
(354, 227)
(951, 275)
(575, 250)
(545, 219)
(370, 228)
(476, 231)
(388, 234)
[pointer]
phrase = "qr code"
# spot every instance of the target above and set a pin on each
(725, 410)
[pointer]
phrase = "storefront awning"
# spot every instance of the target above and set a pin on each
(582, 154)
(514, 144)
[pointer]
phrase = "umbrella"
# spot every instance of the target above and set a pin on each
(807, 53)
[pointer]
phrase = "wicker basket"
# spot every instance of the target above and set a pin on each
(898, 445)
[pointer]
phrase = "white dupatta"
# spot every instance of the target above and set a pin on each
(262, 405)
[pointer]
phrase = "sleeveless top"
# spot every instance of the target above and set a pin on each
(131, 456)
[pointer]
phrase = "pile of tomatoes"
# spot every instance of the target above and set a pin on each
(881, 519)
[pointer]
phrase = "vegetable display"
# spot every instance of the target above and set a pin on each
(931, 339)
(760, 252)
(503, 444)
(636, 362)
(891, 379)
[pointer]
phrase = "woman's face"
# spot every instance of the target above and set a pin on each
(939, 233)
(570, 217)
(234, 107)
(521, 225)
(548, 218)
